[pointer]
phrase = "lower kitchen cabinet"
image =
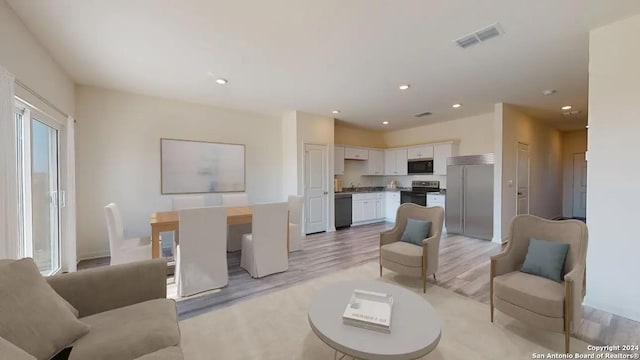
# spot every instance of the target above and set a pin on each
(437, 200)
(368, 208)
(392, 203)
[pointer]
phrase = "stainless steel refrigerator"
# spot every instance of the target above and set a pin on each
(469, 201)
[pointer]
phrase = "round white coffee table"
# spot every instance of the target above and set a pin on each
(415, 327)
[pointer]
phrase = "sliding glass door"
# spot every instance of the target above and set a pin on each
(39, 183)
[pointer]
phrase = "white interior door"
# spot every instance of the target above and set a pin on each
(522, 178)
(579, 185)
(315, 188)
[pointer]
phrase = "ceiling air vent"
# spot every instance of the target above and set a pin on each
(427, 113)
(477, 37)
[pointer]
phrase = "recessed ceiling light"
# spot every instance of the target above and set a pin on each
(456, 106)
(335, 112)
(221, 81)
(566, 107)
(404, 86)
(385, 123)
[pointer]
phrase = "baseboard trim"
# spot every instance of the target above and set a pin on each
(93, 255)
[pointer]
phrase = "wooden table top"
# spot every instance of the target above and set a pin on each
(235, 215)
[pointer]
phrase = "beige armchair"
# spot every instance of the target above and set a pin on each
(410, 259)
(536, 300)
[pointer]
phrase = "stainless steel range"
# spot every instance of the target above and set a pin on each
(418, 192)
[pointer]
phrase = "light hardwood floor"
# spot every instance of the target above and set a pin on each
(463, 268)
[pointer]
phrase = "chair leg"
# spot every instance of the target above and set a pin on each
(434, 277)
(424, 283)
(568, 311)
(380, 270)
(492, 271)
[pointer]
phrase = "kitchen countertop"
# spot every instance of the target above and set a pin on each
(364, 190)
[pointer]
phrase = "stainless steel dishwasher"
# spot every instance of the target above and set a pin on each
(343, 210)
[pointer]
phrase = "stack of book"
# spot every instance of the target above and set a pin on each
(369, 310)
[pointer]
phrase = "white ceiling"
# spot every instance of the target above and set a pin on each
(320, 55)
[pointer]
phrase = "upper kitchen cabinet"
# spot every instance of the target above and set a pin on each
(356, 154)
(440, 154)
(338, 164)
(395, 162)
(375, 164)
(420, 152)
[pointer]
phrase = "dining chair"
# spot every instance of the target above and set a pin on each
(124, 250)
(296, 206)
(235, 232)
(180, 203)
(201, 262)
(264, 251)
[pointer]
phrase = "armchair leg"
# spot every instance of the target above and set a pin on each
(568, 311)
(492, 272)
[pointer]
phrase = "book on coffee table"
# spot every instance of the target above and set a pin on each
(369, 310)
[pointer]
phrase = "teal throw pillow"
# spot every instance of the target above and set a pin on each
(416, 231)
(545, 258)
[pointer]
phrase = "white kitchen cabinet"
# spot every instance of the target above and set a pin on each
(392, 203)
(380, 206)
(437, 200)
(375, 164)
(395, 162)
(440, 154)
(420, 152)
(356, 153)
(367, 207)
(338, 163)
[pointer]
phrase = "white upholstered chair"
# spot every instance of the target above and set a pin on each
(235, 232)
(124, 250)
(180, 203)
(264, 252)
(201, 262)
(296, 205)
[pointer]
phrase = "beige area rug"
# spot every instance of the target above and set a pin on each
(275, 326)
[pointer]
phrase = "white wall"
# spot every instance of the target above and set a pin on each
(30, 62)
(290, 155)
(475, 134)
(118, 156)
(545, 174)
(24, 56)
(497, 173)
(573, 142)
(612, 180)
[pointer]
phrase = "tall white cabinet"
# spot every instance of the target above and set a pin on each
(375, 163)
(338, 164)
(395, 162)
(440, 154)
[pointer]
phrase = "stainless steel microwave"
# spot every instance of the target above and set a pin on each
(420, 167)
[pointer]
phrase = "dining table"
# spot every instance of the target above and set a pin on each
(165, 221)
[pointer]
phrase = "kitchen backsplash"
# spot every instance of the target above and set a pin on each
(354, 169)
